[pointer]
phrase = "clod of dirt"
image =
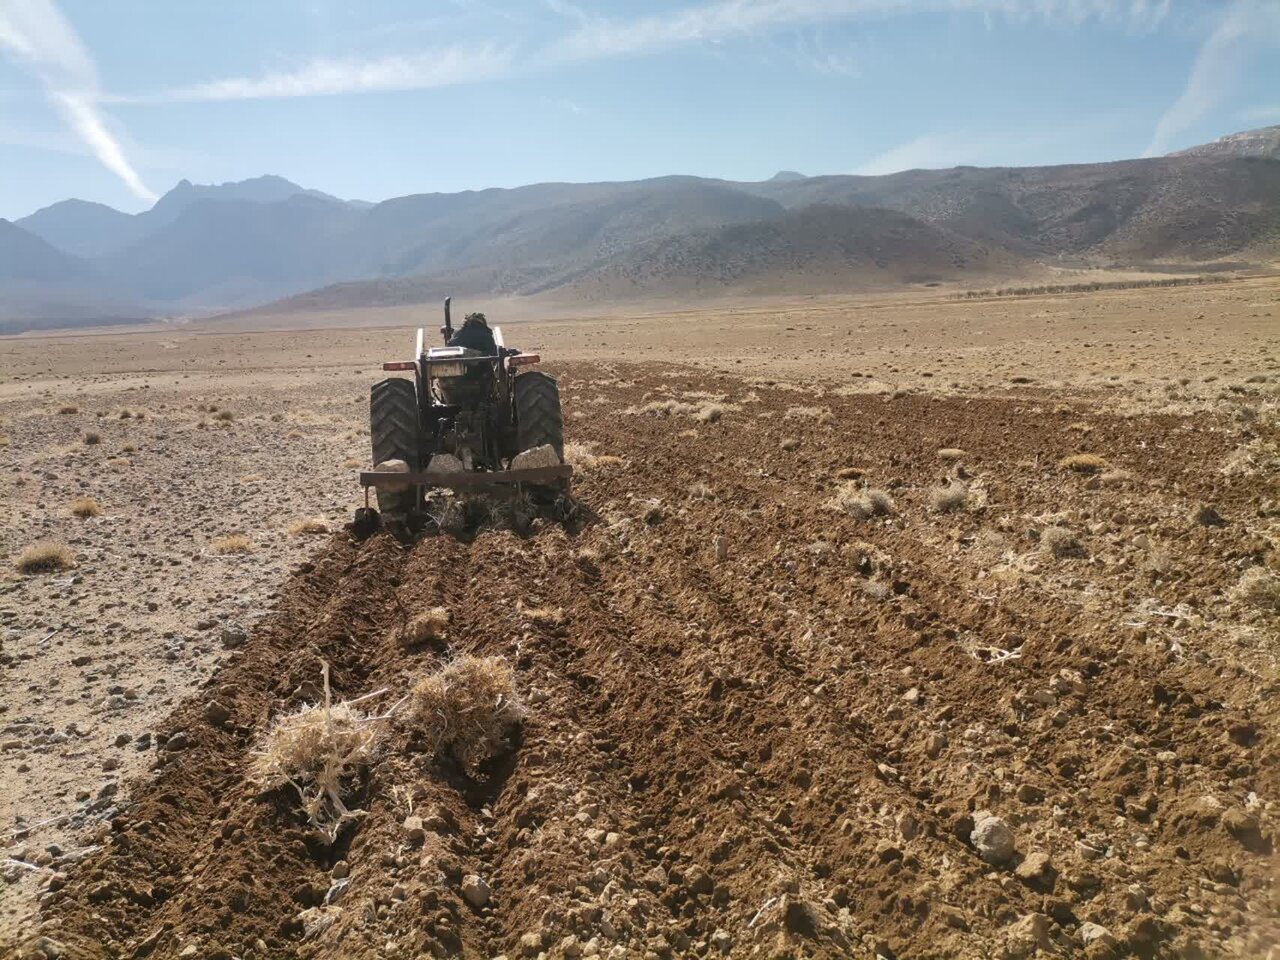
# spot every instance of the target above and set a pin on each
(1207, 516)
(991, 838)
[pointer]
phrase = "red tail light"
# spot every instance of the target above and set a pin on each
(399, 365)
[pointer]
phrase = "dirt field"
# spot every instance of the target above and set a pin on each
(848, 663)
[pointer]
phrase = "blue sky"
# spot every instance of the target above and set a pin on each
(116, 101)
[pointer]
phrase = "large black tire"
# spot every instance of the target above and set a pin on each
(538, 417)
(393, 430)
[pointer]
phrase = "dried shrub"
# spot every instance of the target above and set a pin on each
(862, 503)
(129, 448)
(46, 556)
(353, 463)
(700, 491)
(309, 525)
(68, 409)
(1113, 478)
(711, 412)
(948, 499)
(789, 444)
(92, 439)
(431, 626)
(1259, 588)
(317, 751)
(85, 507)
(1060, 543)
(467, 709)
(951, 453)
(1083, 463)
(4, 440)
(226, 416)
(234, 543)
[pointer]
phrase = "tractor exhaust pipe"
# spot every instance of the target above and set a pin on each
(447, 329)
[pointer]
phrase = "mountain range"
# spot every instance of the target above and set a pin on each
(205, 249)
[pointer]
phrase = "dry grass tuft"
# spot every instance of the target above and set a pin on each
(317, 751)
(309, 525)
(951, 453)
(226, 416)
(862, 503)
(4, 440)
(46, 556)
(700, 491)
(467, 709)
(821, 414)
(92, 439)
(1083, 463)
(1259, 588)
(948, 499)
(1060, 543)
(129, 448)
(711, 412)
(85, 507)
(431, 626)
(68, 409)
(353, 463)
(1113, 478)
(234, 543)
(789, 444)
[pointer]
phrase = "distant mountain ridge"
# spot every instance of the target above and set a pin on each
(235, 245)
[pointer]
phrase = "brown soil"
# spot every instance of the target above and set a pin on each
(758, 726)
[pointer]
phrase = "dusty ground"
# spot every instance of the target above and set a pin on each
(757, 724)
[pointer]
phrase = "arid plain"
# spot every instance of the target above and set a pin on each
(768, 712)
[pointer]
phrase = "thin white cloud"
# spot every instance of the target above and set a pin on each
(35, 34)
(724, 19)
(931, 151)
(440, 68)
(1264, 116)
(1247, 25)
(595, 38)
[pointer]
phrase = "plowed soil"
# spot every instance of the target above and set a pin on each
(759, 725)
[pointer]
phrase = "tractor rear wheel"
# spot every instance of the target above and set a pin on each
(538, 417)
(393, 429)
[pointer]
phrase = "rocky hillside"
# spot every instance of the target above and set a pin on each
(210, 248)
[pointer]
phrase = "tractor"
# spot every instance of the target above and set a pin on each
(473, 418)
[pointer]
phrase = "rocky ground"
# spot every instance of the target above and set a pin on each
(829, 672)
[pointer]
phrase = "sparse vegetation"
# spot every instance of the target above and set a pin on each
(820, 414)
(68, 409)
(430, 626)
(948, 499)
(85, 507)
(226, 416)
(1060, 543)
(234, 543)
(862, 503)
(951, 453)
(317, 750)
(1083, 463)
(700, 491)
(308, 525)
(1259, 588)
(1090, 287)
(46, 556)
(353, 463)
(92, 439)
(466, 710)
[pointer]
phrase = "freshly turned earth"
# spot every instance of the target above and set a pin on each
(757, 725)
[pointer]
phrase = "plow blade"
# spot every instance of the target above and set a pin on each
(460, 480)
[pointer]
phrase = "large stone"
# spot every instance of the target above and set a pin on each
(543, 456)
(992, 838)
(445, 463)
(475, 890)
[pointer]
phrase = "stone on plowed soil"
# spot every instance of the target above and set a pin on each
(757, 724)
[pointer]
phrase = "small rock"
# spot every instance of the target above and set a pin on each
(208, 623)
(233, 635)
(414, 832)
(1036, 867)
(341, 870)
(1093, 932)
(656, 879)
(531, 944)
(991, 838)
(722, 941)
(1207, 516)
(1029, 793)
(216, 713)
(179, 741)
(1029, 933)
(475, 890)
(934, 745)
